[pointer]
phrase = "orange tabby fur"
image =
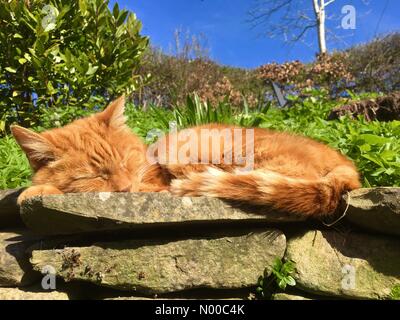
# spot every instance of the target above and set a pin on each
(99, 153)
(291, 173)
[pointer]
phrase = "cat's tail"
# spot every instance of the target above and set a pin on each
(316, 197)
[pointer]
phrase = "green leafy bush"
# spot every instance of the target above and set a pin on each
(64, 53)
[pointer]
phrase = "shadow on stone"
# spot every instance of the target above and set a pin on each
(15, 268)
(9, 210)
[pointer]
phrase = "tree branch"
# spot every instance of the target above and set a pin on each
(258, 14)
(316, 7)
(303, 32)
(291, 19)
(328, 3)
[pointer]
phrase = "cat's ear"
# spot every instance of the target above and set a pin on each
(37, 148)
(113, 115)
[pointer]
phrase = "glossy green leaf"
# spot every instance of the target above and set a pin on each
(9, 69)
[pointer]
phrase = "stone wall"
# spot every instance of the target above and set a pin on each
(154, 245)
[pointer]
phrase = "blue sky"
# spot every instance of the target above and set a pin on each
(231, 39)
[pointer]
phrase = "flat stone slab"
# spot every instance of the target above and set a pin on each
(15, 269)
(286, 296)
(9, 209)
(345, 266)
(161, 266)
(86, 212)
(31, 294)
(375, 209)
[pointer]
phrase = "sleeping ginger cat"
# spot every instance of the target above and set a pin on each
(99, 153)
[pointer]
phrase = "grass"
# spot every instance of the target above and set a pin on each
(197, 112)
(14, 168)
(374, 146)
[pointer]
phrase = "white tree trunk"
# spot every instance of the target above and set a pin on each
(321, 28)
(319, 9)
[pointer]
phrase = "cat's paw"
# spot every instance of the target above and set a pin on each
(37, 191)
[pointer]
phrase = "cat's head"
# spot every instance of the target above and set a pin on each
(97, 153)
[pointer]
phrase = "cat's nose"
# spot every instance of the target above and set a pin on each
(126, 188)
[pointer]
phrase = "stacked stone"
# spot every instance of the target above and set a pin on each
(148, 245)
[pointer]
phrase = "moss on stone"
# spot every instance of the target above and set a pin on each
(163, 266)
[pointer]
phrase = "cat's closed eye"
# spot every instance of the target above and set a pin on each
(91, 177)
(105, 174)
